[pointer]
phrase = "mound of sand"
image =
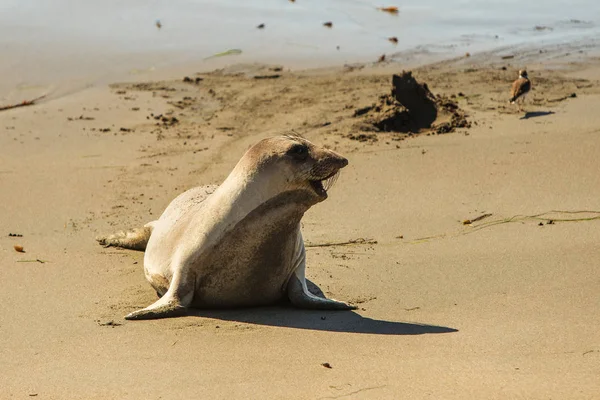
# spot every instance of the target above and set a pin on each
(411, 108)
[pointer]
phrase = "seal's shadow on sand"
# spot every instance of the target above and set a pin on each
(534, 114)
(332, 321)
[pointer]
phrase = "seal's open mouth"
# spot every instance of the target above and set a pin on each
(323, 185)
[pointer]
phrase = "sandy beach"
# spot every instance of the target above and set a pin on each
(506, 307)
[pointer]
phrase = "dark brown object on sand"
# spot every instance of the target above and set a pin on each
(22, 104)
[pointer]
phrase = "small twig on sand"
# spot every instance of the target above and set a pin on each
(347, 243)
(36, 260)
(22, 104)
(546, 216)
(549, 217)
(470, 221)
(109, 323)
(562, 98)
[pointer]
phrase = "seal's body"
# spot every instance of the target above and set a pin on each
(239, 244)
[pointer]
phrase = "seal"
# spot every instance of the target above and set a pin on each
(238, 244)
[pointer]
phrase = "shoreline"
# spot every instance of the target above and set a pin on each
(61, 64)
(577, 51)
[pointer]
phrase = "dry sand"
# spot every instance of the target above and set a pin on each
(448, 311)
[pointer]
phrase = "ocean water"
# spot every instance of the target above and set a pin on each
(61, 45)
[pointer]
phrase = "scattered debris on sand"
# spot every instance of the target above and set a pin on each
(164, 120)
(347, 105)
(80, 118)
(197, 80)
(273, 76)
(363, 137)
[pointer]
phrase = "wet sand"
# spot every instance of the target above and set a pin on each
(62, 47)
(506, 307)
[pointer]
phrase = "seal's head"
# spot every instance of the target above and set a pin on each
(292, 163)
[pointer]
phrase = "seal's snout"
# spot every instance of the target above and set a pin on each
(326, 171)
(336, 159)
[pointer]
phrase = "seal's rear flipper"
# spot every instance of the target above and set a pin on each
(173, 303)
(165, 311)
(300, 297)
(135, 239)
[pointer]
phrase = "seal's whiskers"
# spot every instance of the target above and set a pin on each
(329, 182)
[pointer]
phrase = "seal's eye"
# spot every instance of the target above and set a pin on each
(298, 151)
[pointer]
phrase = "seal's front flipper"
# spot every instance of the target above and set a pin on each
(135, 239)
(297, 290)
(300, 297)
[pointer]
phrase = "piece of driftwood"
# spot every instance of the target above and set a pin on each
(470, 221)
(346, 243)
(21, 104)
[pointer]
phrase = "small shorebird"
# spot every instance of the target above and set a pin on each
(520, 88)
